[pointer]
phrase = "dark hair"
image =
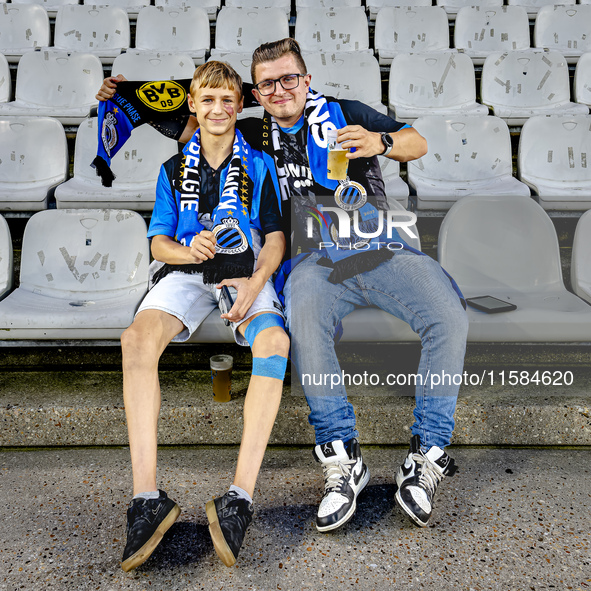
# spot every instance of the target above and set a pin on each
(270, 52)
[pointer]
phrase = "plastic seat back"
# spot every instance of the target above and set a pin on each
(6, 260)
(23, 27)
(533, 6)
(5, 80)
(332, 29)
(374, 6)
(50, 6)
(582, 81)
(99, 254)
(141, 65)
(580, 268)
(451, 7)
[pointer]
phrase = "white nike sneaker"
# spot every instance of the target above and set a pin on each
(418, 479)
(345, 476)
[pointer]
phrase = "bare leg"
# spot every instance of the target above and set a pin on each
(260, 407)
(142, 345)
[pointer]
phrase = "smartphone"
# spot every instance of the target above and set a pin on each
(227, 297)
(490, 304)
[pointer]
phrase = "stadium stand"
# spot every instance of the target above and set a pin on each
(506, 247)
(374, 6)
(580, 267)
(243, 30)
(143, 65)
(55, 83)
(101, 30)
(284, 5)
(520, 84)
(451, 7)
(441, 83)
(326, 4)
(566, 29)
(582, 81)
(175, 30)
(467, 156)
(33, 160)
(480, 31)
(50, 6)
(410, 30)
(6, 261)
(131, 7)
(347, 75)
(210, 6)
(5, 80)
(23, 27)
(396, 188)
(533, 6)
(332, 29)
(553, 160)
(82, 275)
(136, 167)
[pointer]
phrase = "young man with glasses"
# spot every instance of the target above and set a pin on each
(327, 282)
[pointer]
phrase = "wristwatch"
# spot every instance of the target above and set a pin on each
(388, 143)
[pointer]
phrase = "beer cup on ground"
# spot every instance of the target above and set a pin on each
(221, 376)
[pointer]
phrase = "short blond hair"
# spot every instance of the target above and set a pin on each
(215, 74)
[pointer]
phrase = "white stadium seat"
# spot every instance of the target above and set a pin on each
(441, 83)
(83, 273)
(6, 261)
(33, 160)
(521, 84)
(374, 6)
(326, 4)
(23, 27)
(533, 6)
(580, 268)
(582, 81)
(506, 247)
(175, 30)
(136, 167)
(410, 30)
(55, 83)
(5, 80)
(284, 5)
(451, 7)
(480, 31)
(100, 30)
(242, 29)
(131, 7)
(143, 65)
(347, 75)
(332, 29)
(467, 156)
(554, 159)
(210, 6)
(50, 6)
(566, 29)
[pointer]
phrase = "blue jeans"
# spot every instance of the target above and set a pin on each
(409, 286)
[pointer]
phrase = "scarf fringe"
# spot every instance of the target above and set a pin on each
(103, 171)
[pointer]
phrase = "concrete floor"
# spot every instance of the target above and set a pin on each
(511, 519)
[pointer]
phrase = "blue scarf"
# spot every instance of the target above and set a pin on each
(234, 255)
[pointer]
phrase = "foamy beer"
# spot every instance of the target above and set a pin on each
(337, 158)
(221, 377)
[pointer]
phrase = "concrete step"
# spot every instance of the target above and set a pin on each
(70, 397)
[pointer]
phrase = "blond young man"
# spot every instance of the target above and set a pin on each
(216, 222)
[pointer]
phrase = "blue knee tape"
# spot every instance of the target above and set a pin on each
(261, 322)
(270, 367)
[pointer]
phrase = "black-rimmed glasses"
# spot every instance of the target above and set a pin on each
(288, 82)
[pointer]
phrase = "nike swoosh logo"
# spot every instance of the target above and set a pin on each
(357, 476)
(406, 471)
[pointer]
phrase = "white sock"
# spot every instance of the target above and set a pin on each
(241, 493)
(148, 496)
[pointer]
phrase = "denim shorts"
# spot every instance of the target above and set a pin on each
(186, 297)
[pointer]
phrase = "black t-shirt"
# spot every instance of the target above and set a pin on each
(366, 171)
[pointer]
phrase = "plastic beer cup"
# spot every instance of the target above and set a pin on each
(337, 158)
(221, 376)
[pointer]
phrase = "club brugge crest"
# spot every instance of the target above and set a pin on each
(350, 195)
(109, 132)
(230, 239)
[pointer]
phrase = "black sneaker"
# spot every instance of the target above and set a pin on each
(147, 521)
(418, 479)
(345, 476)
(228, 517)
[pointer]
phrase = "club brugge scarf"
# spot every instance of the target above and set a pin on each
(134, 104)
(234, 256)
(321, 115)
(162, 103)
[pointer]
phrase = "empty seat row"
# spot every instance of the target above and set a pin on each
(83, 274)
(467, 156)
(478, 31)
